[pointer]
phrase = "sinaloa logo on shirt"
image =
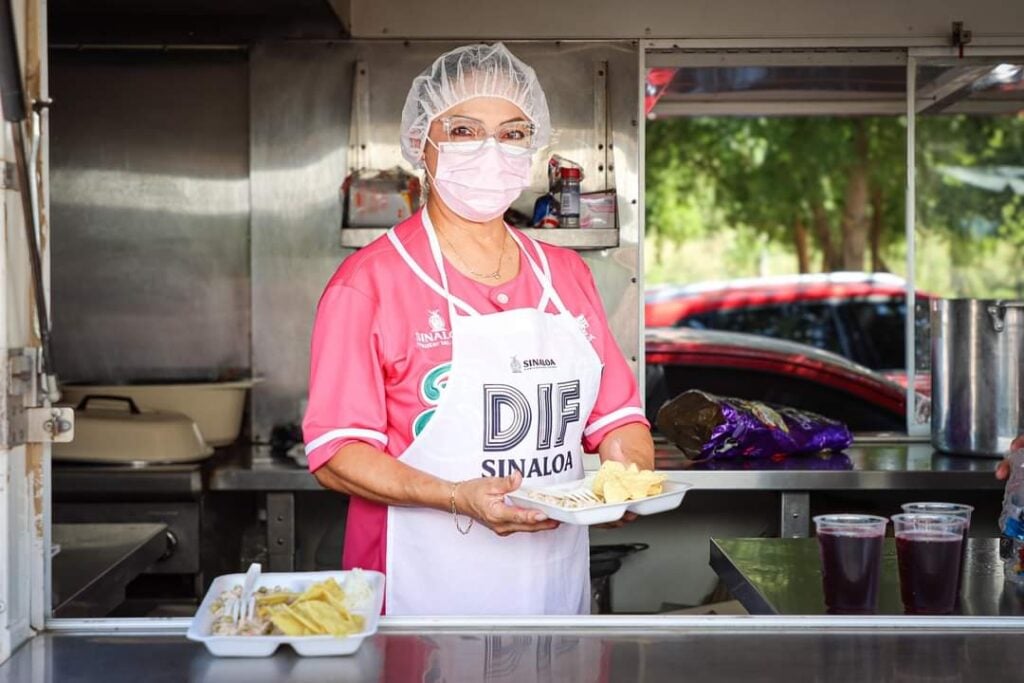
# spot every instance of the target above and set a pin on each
(432, 387)
(519, 366)
(439, 334)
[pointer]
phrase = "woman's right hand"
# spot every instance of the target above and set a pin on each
(1003, 470)
(483, 499)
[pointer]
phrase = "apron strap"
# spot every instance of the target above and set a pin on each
(453, 301)
(545, 297)
(544, 275)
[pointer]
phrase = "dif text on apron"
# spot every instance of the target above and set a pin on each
(520, 389)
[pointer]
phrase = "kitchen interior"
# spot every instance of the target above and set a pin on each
(236, 167)
(200, 201)
(209, 167)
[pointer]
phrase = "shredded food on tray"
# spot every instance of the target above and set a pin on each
(562, 501)
(613, 483)
(325, 608)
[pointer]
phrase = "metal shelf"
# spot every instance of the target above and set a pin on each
(582, 239)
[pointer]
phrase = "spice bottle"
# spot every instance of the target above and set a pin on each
(569, 200)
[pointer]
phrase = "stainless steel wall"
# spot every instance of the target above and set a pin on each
(197, 207)
(150, 189)
(301, 109)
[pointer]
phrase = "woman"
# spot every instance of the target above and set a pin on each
(455, 357)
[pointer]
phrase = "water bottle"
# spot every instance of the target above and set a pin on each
(1011, 521)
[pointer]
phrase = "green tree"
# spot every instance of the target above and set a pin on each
(821, 182)
(970, 175)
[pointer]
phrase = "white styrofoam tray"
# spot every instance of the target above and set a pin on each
(264, 646)
(669, 499)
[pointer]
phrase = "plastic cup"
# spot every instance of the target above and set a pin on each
(851, 561)
(955, 509)
(928, 550)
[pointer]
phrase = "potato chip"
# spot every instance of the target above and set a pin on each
(607, 469)
(328, 620)
(314, 592)
(334, 591)
(270, 599)
(618, 483)
(300, 615)
(286, 623)
(615, 491)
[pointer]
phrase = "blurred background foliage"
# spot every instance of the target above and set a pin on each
(737, 197)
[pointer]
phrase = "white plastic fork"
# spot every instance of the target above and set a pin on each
(244, 607)
(580, 495)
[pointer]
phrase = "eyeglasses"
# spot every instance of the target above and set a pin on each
(464, 129)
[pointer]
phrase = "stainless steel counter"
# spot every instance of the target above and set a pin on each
(865, 466)
(783, 576)
(872, 464)
(97, 561)
(256, 470)
(661, 651)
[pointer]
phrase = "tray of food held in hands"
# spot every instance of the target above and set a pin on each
(604, 496)
(315, 613)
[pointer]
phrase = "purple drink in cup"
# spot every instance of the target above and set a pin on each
(928, 550)
(851, 558)
(956, 510)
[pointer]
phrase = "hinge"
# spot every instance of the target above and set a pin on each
(21, 420)
(8, 176)
(17, 394)
(50, 425)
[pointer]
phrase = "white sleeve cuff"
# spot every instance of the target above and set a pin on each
(335, 434)
(601, 423)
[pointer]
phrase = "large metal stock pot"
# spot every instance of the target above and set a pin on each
(977, 352)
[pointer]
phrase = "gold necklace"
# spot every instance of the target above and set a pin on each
(493, 275)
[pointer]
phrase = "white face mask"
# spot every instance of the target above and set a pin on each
(480, 184)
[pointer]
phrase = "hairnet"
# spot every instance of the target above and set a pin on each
(464, 73)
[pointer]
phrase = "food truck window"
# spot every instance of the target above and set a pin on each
(969, 187)
(775, 208)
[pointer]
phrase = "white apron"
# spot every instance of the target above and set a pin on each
(519, 393)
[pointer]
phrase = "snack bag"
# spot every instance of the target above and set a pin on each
(706, 426)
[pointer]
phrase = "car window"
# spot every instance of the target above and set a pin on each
(878, 328)
(807, 323)
(856, 411)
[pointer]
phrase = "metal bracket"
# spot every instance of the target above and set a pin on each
(17, 394)
(961, 36)
(359, 118)
(281, 531)
(50, 425)
(9, 176)
(22, 420)
(605, 156)
(795, 519)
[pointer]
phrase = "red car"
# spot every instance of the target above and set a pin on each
(771, 370)
(856, 315)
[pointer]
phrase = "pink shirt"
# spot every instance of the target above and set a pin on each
(380, 342)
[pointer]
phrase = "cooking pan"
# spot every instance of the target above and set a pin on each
(113, 429)
(217, 407)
